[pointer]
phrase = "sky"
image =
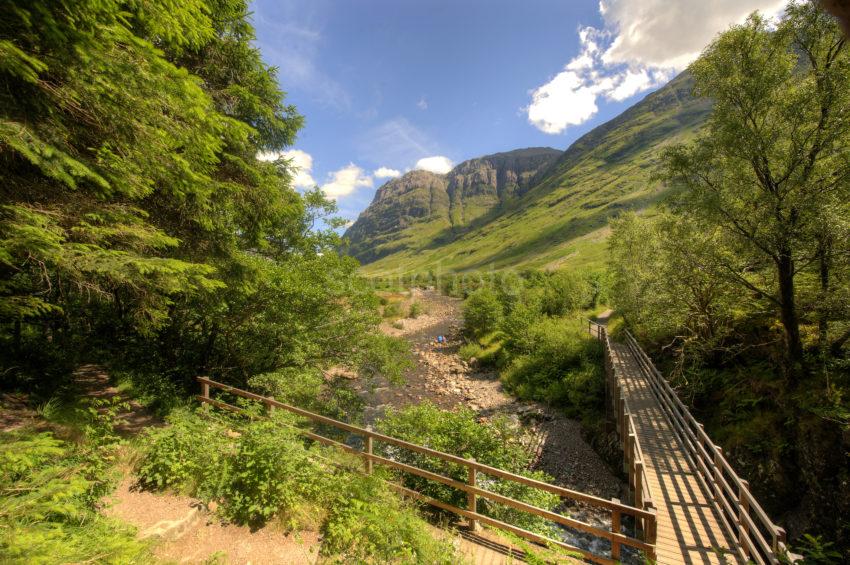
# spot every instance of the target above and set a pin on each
(387, 86)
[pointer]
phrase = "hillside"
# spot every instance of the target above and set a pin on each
(422, 206)
(414, 225)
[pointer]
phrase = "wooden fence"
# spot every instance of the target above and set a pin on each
(759, 539)
(633, 461)
(641, 515)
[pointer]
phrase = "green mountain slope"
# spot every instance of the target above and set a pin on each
(561, 219)
(422, 208)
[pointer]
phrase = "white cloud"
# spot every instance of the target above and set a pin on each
(423, 103)
(642, 45)
(659, 33)
(386, 173)
(300, 164)
(345, 181)
(436, 164)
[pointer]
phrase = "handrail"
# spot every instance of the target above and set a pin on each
(473, 490)
(759, 539)
(633, 460)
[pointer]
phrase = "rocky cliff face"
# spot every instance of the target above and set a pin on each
(440, 204)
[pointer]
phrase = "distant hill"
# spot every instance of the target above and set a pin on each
(422, 207)
(530, 207)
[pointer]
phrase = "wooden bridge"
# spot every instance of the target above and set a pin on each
(705, 513)
(685, 502)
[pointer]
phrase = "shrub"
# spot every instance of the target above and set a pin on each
(392, 310)
(264, 470)
(271, 472)
(565, 292)
(416, 309)
(368, 523)
(496, 444)
(518, 323)
(308, 388)
(48, 495)
(563, 366)
(482, 312)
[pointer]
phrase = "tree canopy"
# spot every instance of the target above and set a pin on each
(134, 210)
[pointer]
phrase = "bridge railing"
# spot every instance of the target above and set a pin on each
(472, 487)
(633, 460)
(759, 539)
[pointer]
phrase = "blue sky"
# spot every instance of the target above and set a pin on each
(387, 86)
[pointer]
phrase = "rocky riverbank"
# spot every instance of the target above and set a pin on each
(442, 377)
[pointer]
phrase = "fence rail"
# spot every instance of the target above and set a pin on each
(643, 514)
(759, 539)
(633, 460)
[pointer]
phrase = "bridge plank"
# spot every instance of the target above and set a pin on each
(689, 528)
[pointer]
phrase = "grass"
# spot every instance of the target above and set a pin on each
(562, 221)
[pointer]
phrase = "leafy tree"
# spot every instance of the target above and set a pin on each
(134, 213)
(771, 170)
(482, 312)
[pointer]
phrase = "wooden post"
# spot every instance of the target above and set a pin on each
(718, 469)
(270, 406)
(778, 538)
(471, 497)
(369, 463)
(615, 528)
(743, 511)
(639, 484)
(205, 392)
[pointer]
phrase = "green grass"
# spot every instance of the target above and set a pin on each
(562, 221)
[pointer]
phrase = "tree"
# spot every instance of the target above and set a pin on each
(134, 213)
(772, 164)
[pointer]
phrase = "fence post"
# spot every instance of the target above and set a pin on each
(271, 407)
(615, 528)
(718, 453)
(369, 463)
(205, 392)
(471, 497)
(743, 511)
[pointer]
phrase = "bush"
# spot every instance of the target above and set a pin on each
(271, 472)
(264, 470)
(565, 292)
(416, 309)
(48, 495)
(392, 310)
(458, 433)
(482, 312)
(562, 366)
(518, 323)
(370, 524)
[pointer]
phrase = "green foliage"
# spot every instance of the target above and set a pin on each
(312, 390)
(416, 309)
(157, 240)
(270, 472)
(562, 366)
(264, 470)
(495, 443)
(49, 491)
(565, 292)
(560, 221)
(816, 551)
(370, 524)
(482, 312)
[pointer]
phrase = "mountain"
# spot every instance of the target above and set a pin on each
(421, 205)
(555, 215)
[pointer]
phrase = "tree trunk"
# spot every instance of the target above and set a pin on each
(823, 306)
(788, 317)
